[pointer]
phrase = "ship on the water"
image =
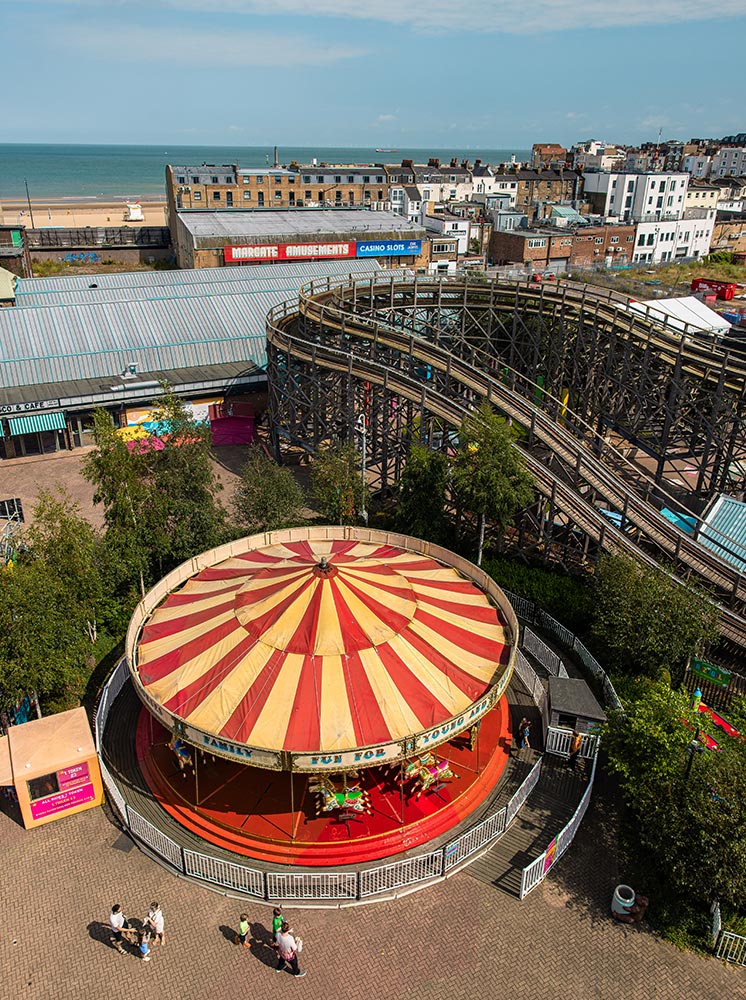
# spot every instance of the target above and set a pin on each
(387, 150)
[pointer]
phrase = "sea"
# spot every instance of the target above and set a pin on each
(118, 172)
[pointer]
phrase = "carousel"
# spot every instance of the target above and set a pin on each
(322, 696)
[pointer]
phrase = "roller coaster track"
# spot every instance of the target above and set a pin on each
(364, 332)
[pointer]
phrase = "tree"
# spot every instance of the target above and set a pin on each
(646, 623)
(268, 496)
(422, 495)
(489, 477)
(159, 495)
(337, 488)
(689, 814)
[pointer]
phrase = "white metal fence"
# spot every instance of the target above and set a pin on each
(558, 742)
(382, 880)
(546, 656)
(539, 868)
(731, 947)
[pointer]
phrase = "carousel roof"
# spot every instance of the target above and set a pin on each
(322, 645)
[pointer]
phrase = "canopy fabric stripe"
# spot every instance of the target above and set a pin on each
(276, 648)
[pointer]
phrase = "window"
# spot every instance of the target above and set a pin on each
(306, 179)
(278, 180)
(260, 199)
(628, 202)
(195, 180)
(651, 239)
(197, 196)
(181, 180)
(214, 180)
(278, 195)
(260, 178)
(338, 197)
(351, 197)
(247, 196)
(228, 180)
(641, 240)
(337, 179)
(380, 195)
(442, 247)
(536, 244)
(630, 239)
(216, 196)
(599, 239)
(307, 195)
(229, 198)
(366, 180)
(426, 194)
(614, 239)
(39, 788)
(379, 179)
(367, 195)
(452, 193)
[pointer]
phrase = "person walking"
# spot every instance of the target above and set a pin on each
(288, 948)
(576, 743)
(119, 927)
(154, 921)
(523, 732)
(243, 930)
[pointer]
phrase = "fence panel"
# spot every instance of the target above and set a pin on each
(401, 873)
(153, 837)
(113, 792)
(523, 608)
(558, 742)
(732, 947)
(717, 922)
(532, 874)
(546, 621)
(522, 794)
(474, 840)
(546, 656)
(247, 880)
(326, 885)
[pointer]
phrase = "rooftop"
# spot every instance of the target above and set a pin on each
(725, 530)
(306, 222)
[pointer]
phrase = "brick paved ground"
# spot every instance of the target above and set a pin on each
(461, 939)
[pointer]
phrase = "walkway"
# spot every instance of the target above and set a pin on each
(459, 940)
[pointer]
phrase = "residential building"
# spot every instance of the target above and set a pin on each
(406, 200)
(440, 183)
(443, 255)
(448, 224)
(596, 155)
(215, 239)
(657, 242)
(14, 251)
(560, 249)
(730, 161)
(697, 164)
(636, 197)
(538, 190)
(729, 234)
(704, 196)
(548, 156)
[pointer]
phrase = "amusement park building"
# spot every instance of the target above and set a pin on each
(74, 343)
(214, 239)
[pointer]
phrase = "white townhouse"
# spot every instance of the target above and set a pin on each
(729, 161)
(634, 197)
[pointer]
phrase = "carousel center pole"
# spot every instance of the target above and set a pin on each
(401, 789)
(196, 780)
(292, 808)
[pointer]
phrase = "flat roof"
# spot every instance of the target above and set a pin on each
(274, 224)
(572, 696)
(724, 530)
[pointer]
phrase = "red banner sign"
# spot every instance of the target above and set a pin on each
(265, 253)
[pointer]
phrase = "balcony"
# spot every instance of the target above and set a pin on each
(659, 217)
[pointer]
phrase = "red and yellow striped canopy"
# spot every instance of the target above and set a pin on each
(321, 646)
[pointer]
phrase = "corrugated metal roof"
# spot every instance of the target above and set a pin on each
(58, 343)
(724, 530)
(280, 225)
(146, 280)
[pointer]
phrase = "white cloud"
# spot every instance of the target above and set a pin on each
(384, 119)
(202, 49)
(487, 15)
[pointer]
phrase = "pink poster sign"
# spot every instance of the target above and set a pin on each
(63, 801)
(71, 777)
(550, 855)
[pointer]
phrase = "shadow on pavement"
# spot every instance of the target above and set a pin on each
(260, 942)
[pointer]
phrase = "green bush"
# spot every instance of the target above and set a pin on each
(563, 597)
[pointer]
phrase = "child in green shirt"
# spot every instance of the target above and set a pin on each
(243, 930)
(277, 919)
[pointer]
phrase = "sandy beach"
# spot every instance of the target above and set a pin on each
(68, 213)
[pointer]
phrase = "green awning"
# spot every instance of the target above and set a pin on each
(36, 422)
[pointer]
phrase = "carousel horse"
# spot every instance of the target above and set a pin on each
(332, 797)
(183, 756)
(427, 772)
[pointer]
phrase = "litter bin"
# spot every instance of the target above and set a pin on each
(623, 899)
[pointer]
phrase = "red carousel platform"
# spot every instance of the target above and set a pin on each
(322, 696)
(252, 812)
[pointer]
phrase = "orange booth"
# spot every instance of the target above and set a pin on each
(52, 765)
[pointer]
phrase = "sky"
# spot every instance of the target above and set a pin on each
(390, 73)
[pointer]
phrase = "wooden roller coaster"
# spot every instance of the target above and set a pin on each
(622, 417)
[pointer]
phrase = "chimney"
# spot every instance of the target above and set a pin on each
(477, 163)
(277, 162)
(433, 162)
(454, 161)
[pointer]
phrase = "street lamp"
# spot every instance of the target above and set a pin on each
(362, 430)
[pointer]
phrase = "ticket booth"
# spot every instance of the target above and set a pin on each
(52, 765)
(573, 706)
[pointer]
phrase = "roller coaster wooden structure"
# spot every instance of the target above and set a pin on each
(584, 376)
